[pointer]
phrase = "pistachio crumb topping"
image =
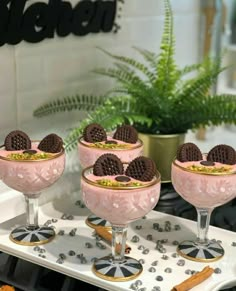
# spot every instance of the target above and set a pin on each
(209, 170)
(110, 146)
(26, 156)
(111, 183)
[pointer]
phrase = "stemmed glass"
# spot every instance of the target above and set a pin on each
(89, 154)
(119, 206)
(205, 191)
(31, 177)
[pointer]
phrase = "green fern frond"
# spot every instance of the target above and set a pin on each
(148, 56)
(77, 102)
(133, 63)
(212, 110)
(122, 76)
(166, 67)
(199, 86)
(189, 69)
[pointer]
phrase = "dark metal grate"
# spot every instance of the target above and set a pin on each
(26, 276)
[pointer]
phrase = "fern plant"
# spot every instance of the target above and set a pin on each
(153, 94)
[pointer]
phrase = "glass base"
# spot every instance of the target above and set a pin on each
(24, 236)
(107, 269)
(200, 253)
(95, 221)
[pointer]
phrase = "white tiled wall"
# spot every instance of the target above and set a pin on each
(31, 74)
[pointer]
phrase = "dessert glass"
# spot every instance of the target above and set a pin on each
(120, 206)
(31, 177)
(205, 191)
(88, 154)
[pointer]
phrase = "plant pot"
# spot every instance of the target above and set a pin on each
(162, 149)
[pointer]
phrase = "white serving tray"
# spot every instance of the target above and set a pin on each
(73, 267)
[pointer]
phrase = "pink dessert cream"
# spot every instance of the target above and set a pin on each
(119, 202)
(206, 181)
(30, 167)
(91, 149)
(120, 193)
(30, 171)
(204, 186)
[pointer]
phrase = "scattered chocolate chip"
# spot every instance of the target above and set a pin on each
(141, 261)
(188, 152)
(223, 154)
(30, 152)
(181, 263)
(152, 270)
(217, 271)
(108, 165)
(111, 142)
(207, 163)
(177, 227)
(62, 256)
(142, 169)
(88, 245)
(188, 272)
(17, 140)
(168, 270)
(146, 251)
(175, 255)
(133, 287)
(94, 133)
(126, 133)
(138, 283)
(52, 143)
(71, 253)
(135, 238)
(149, 237)
(159, 278)
(122, 179)
(141, 247)
(165, 257)
(155, 225)
(155, 263)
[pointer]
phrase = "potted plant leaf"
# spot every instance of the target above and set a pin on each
(156, 97)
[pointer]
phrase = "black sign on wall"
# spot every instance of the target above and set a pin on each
(43, 20)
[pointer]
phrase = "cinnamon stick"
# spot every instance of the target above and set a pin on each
(106, 235)
(194, 280)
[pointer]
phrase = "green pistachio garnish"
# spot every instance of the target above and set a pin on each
(111, 183)
(210, 170)
(26, 156)
(101, 145)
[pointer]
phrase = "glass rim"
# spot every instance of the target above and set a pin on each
(56, 155)
(153, 182)
(129, 149)
(201, 173)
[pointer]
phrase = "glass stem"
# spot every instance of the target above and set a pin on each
(203, 221)
(32, 212)
(119, 236)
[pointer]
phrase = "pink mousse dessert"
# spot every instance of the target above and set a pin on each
(31, 170)
(95, 142)
(117, 198)
(208, 181)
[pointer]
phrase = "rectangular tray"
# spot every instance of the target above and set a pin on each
(73, 267)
